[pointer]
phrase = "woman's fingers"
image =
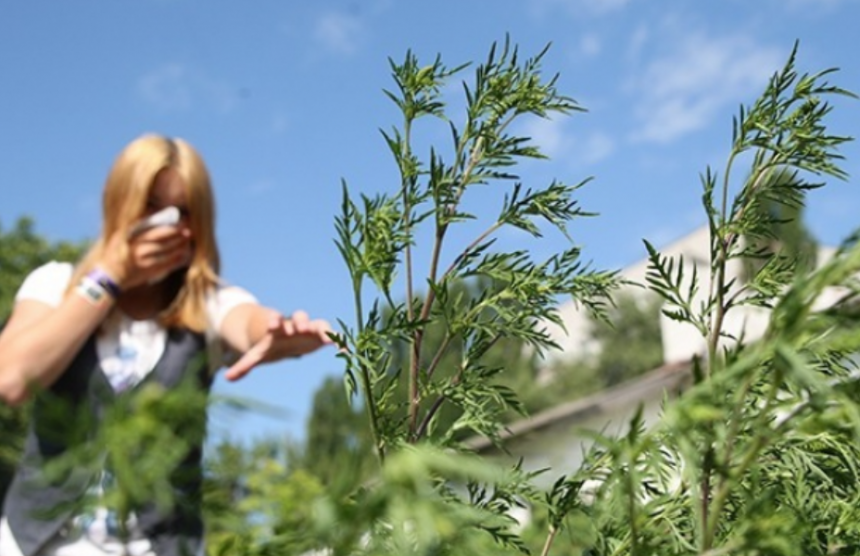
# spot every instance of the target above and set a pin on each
(161, 241)
(160, 250)
(321, 329)
(166, 257)
(286, 337)
(246, 363)
(300, 324)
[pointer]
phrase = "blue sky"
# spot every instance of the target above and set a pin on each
(284, 99)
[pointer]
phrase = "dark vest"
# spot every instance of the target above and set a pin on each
(66, 416)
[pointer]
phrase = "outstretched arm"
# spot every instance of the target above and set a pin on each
(263, 335)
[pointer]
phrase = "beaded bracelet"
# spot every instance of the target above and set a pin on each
(104, 280)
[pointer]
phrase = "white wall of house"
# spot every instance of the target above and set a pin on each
(677, 342)
(557, 438)
(681, 341)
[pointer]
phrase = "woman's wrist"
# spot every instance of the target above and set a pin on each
(105, 280)
(113, 274)
(97, 289)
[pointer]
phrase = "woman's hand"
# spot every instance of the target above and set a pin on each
(284, 337)
(147, 256)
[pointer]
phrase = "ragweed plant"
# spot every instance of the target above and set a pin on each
(759, 456)
(380, 238)
(377, 237)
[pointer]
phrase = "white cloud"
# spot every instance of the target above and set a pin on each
(594, 147)
(577, 7)
(339, 32)
(552, 137)
(602, 6)
(260, 187)
(174, 86)
(590, 45)
(683, 90)
(166, 87)
(548, 135)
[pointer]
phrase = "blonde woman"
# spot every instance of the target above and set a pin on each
(140, 307)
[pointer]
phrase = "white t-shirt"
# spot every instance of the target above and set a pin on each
(128, 350)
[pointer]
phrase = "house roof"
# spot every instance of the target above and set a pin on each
(666, 378)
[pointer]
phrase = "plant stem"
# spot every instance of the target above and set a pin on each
(622, 546)
(735, 419)
(370, 400)
(414, 375)
(422, 429)
(407, 211)
(550, 538)
(718, 269)
(716, 294)
(441, 399)
(439, 354)
(487, 233)
(437, 358)
(721, 246)
(725, 243)
(441, 229)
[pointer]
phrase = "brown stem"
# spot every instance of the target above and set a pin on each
(718, 285)
(414, 400)
(550, 538)
(435, 408)
(441, 399)
(439, 354)
(414, 375)
(422, 429)
(441, 229)
(487, 233)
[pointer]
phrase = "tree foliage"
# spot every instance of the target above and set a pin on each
(337, 444)
(630, 339)
(21, 250)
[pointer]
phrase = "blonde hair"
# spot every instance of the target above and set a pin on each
(124, 201)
